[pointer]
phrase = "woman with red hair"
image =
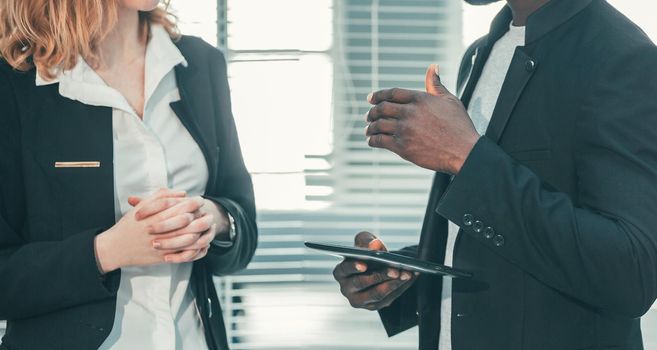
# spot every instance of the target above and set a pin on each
(122, 186)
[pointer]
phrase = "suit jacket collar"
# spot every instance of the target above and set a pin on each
(543, 21)
(551, 16)
(524, 63)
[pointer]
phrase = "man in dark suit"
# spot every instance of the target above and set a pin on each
(554, 208)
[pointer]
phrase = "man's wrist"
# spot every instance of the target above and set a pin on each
(463, 154)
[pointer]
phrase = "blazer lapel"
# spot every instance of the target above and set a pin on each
(478, 62)
(498, 28)
(523, 66)
(190, 110)
(520, 72)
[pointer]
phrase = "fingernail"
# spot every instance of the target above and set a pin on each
(370, 97)
(361, 267)
(437, 69)
(393, 273)
(167, 259)
(375, 244)
(157, 244)
(405, 276)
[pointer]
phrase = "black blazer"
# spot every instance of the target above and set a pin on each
(557, 203)
(51, 292)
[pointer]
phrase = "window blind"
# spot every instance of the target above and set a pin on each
(287, 298)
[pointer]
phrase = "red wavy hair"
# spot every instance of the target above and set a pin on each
(51, 34)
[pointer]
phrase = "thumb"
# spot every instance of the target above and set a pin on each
(377, 244)
(432, 81)
(363, 239)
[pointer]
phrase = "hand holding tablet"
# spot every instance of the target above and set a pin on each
(372, 278)
(371, 286)
(382, 257)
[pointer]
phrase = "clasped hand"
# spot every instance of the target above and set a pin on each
(167, 227)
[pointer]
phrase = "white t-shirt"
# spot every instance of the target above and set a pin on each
(481, 107)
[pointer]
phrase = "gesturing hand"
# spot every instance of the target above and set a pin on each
(368, 287)
(432, 129)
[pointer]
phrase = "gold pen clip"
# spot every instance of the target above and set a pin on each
(77, 164)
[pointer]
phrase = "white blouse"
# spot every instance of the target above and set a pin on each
(155, 307)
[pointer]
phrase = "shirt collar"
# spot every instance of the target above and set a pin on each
(83, 84)
(162, 55)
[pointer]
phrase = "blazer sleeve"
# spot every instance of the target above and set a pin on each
(401, 315)
(235, 188)
(37, 277)
(601, 246)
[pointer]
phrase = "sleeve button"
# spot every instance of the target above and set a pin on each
(498, 240)
(489, 232)
(478, 226)
(468, 219)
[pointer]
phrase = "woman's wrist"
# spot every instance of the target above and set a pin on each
(220, 220)
(105, 259)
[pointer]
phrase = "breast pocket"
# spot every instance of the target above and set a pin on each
(82, 191)
(74, 175)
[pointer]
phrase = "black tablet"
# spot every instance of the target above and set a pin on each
(389, 259)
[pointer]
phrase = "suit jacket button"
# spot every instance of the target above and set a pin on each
(468, 219)
(530, 65)
(478, 226)
(498, 240)
(489, 232)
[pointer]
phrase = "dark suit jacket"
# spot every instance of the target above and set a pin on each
(51, 292)
(557, 203)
